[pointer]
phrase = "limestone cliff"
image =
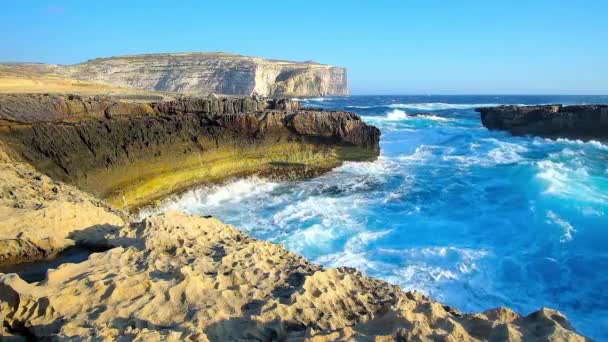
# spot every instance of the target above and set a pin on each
(204, 73)
(551, 121)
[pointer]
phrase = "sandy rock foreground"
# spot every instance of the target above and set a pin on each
(178, 277)
(40, 217)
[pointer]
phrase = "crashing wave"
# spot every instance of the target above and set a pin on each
(440, 105)
(213, 196)
(396, 115)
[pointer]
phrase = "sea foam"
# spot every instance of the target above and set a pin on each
(396, 115)
(473, 217)
(439, 106)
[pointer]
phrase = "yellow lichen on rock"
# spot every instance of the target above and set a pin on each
(142, 182)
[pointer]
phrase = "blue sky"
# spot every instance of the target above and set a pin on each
(389, 47)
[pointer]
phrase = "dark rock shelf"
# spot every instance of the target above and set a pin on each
(586, 122)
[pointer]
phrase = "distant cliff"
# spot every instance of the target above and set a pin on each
(551, 121)
(203, 73)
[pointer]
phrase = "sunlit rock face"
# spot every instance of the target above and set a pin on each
(176, 277)
(203, 73)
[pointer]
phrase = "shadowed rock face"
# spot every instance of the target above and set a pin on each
(204, 73)
(552, 121)
(107, 147)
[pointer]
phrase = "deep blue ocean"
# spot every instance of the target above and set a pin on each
(474, 218)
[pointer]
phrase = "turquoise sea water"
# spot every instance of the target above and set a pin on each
(474, 218)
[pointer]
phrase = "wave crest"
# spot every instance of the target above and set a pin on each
(440, 105)
(396, 114)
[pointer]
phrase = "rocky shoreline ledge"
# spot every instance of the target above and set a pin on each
(132, 153)
(177, 277)
(584, 122)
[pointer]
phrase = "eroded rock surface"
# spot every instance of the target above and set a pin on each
(40, 217)
(552, 121)
(131, 153)
(177, 277)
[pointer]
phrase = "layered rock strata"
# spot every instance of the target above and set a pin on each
(132, 153)
(552, 121)
(205, 73)
(179, 277)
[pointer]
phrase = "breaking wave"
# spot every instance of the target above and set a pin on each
(474, 218)
(431, 106)
(396, 115)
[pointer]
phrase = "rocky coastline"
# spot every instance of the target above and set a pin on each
(73, 170)
(130, 154)
(178, 277)
(585, 122)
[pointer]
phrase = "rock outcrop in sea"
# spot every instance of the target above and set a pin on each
(552, 121)
(204, 73)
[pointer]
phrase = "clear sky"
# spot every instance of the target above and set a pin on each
(389, 47)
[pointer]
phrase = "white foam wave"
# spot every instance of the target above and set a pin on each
(500, 152)
(396, 115)
(567, 228)
(381, 166)
(570, 179)
(214, 196)
(555, 174)
(507, 153)
(316, 99)
(431, 117)
(440, 255)
(426, 268)
(361, 107)
(359, 242)
(558, 176)
(440, 105)
(313, 238)
(575, 142)
(356, 253)
(422, 153)
(400, 115)
(360, 261)
(328, 211)
(237, 190)
(591, 143)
